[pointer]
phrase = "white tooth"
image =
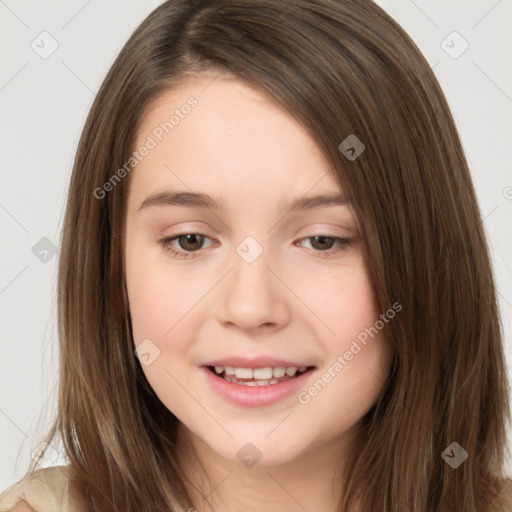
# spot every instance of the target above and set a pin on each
(243, 373)
(263, 373)
(291, 371)
(229, 370)
(219, 369)
(253, 383)
(303, 369)
(279, 371)
(262, 382)
(273, 381)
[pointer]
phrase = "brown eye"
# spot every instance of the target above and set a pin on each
(191, 242)
(322, 243)
(186, 245)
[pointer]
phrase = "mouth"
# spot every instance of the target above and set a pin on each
(265, 376)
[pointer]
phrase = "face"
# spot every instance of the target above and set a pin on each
(234, 271)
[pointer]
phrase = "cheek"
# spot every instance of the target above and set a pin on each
(158, 296)
(357, 358)
(159, 302)
(353, 339)
(345, 304)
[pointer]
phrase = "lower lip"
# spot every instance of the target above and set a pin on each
(256, 396)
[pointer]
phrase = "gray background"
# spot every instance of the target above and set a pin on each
(43, 104)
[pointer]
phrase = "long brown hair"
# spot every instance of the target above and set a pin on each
(340, 67)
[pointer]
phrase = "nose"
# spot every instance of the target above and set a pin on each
(253, 298)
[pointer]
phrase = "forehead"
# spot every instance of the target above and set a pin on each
(218, 134)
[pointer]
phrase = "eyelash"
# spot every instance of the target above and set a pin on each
(343, 244)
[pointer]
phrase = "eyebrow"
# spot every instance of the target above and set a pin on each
(199, 200)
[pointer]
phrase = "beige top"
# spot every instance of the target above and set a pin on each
(48, 490)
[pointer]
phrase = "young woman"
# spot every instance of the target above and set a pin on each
(274, 286)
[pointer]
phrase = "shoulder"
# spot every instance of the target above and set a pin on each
(45, 490)
(22, 506)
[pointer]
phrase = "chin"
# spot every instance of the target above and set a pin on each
(260, 450)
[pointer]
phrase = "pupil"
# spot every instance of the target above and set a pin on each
(187, 240)
(323, 243)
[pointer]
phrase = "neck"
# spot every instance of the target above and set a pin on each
(312, 481)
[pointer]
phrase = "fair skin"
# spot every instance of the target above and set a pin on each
(298, 300)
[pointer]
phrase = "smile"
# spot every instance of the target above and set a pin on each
(265, 376)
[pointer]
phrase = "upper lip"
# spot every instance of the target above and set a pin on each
(256, 362)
